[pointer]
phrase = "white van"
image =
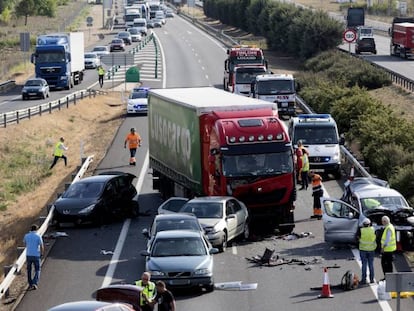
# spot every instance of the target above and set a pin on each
(319, 135)
(141, 24)
(161, 16)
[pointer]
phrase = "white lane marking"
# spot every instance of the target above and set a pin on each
(122, 236)
(385, 306)
(164, 66)
(117, 252)
(234, 249)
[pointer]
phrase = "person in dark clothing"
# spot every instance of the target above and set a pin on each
(164, 298)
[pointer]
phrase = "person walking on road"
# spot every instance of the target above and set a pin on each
(164, 298)
(34, 252)
(388, 245)
(134, 141)
(58, 153)
(367, 247)
(148, 292)
(317, 193)
(101, 75)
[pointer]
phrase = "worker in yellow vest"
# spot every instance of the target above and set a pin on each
(148, 292)
(58, 152)
(101, 74)
(388, 245)
(367, 247)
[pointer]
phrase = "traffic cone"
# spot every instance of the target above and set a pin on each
(351, 174)
(326, 288)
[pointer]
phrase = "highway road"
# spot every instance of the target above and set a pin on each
(89, 258)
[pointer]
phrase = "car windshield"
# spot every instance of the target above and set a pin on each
(100, 49)
(141, 94)
(82, 190)
(391, 203)
(117, 41)
(204, 209)
(258, 164)
(316, 135)
(90, 56)
(178, 224)
(33, 83)
(178, 247)
(133, 31)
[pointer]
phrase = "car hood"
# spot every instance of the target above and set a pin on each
(398, 216)
(209, 222)
(73, 206)
(138, 101)
(179, 263)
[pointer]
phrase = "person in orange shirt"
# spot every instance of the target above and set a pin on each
(134, 141)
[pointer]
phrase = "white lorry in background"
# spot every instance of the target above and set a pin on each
(60, 59)
(243, 76)
(141, 24)
(277, 88)
(130, 15)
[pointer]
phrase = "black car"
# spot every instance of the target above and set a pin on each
(97, 199)
(365, 45)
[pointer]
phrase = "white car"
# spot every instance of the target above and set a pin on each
(223, 218)
(138, 101)
(135, 34)
(101, 50)
(92, 60)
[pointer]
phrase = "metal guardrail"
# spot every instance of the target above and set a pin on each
(7, 85)
(17, 266)
(27, 113)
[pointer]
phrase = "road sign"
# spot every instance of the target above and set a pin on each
(89, 21)
(349, 35)
(118, 59)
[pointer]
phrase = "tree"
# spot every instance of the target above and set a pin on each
(28, 8)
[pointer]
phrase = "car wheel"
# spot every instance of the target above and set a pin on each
(223, 246)
(134, 209)
(246, 231)
(209, 288)
(23, 97)
(337, 174)
(44, 96)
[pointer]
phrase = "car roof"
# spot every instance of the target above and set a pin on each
(103, 177)
(174, 234)
(372, 187)
(141, 88)
(211, 199)
(85, 305)
(175, 216)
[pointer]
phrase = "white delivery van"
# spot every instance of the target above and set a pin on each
(319, 135)
(141, 24)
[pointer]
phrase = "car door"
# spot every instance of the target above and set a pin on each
(240, 215)
(340, 221)
(231, 220)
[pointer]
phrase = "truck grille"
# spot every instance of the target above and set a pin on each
(49, 70)
(319, 159)
(266, 198)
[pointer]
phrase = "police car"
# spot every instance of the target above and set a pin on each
(319, 135)
(138, 100)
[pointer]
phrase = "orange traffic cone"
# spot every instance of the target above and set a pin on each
(326, 288)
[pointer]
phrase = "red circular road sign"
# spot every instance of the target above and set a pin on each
(349, 35)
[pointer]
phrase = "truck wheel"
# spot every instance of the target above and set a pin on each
(224, 85)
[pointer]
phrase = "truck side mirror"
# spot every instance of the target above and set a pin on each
(213, 152)
(390, 32)
(342, 139)
(297, 87)
(33, 58)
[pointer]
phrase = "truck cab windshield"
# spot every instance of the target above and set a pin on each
(272, 87)
(50, 57)
(246, 76)
(257, 164)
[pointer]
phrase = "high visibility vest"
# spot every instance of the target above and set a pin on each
(58, 149)
(367, 241)
(148, 290)
(305, 163)
(392, 243)
(133, 140)
(101, 71)
(316, 183)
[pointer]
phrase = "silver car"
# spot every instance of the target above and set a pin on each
(101, 50)
(135, 34)
(365, 198)
(223, 218)
(182, 259)
(36, 87)
(92, 60)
